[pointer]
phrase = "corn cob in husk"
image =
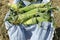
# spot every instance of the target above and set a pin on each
(34, 20)
(30, 21)
(30, 14)
(28, 8)
(25, 16)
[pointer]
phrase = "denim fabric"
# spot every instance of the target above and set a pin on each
(41, 31)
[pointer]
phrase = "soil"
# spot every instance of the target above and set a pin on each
(4, 8)
(56, 3)
(3, 11)
(56, 13)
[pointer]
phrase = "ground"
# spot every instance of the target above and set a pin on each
(56, 13)
(4, 9)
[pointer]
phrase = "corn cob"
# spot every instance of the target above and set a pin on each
(22, 17)
(30, 21)
(44, 15)
(28, 8)
(34, 20)
(30, 14)
(27, 15)
(32, 6)
(41, 19)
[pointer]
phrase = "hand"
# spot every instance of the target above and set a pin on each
(11, 1)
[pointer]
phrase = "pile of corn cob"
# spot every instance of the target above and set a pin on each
(29, 15)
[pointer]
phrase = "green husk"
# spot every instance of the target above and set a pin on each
(30, 21)
(25, 16)
(28, 8)
(30, 14)
(33, 6)
(34, 21)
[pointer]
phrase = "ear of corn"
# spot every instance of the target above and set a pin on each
(27, 15)
(30, 14)
(30, 21)
(28, 8)
(34, 20)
